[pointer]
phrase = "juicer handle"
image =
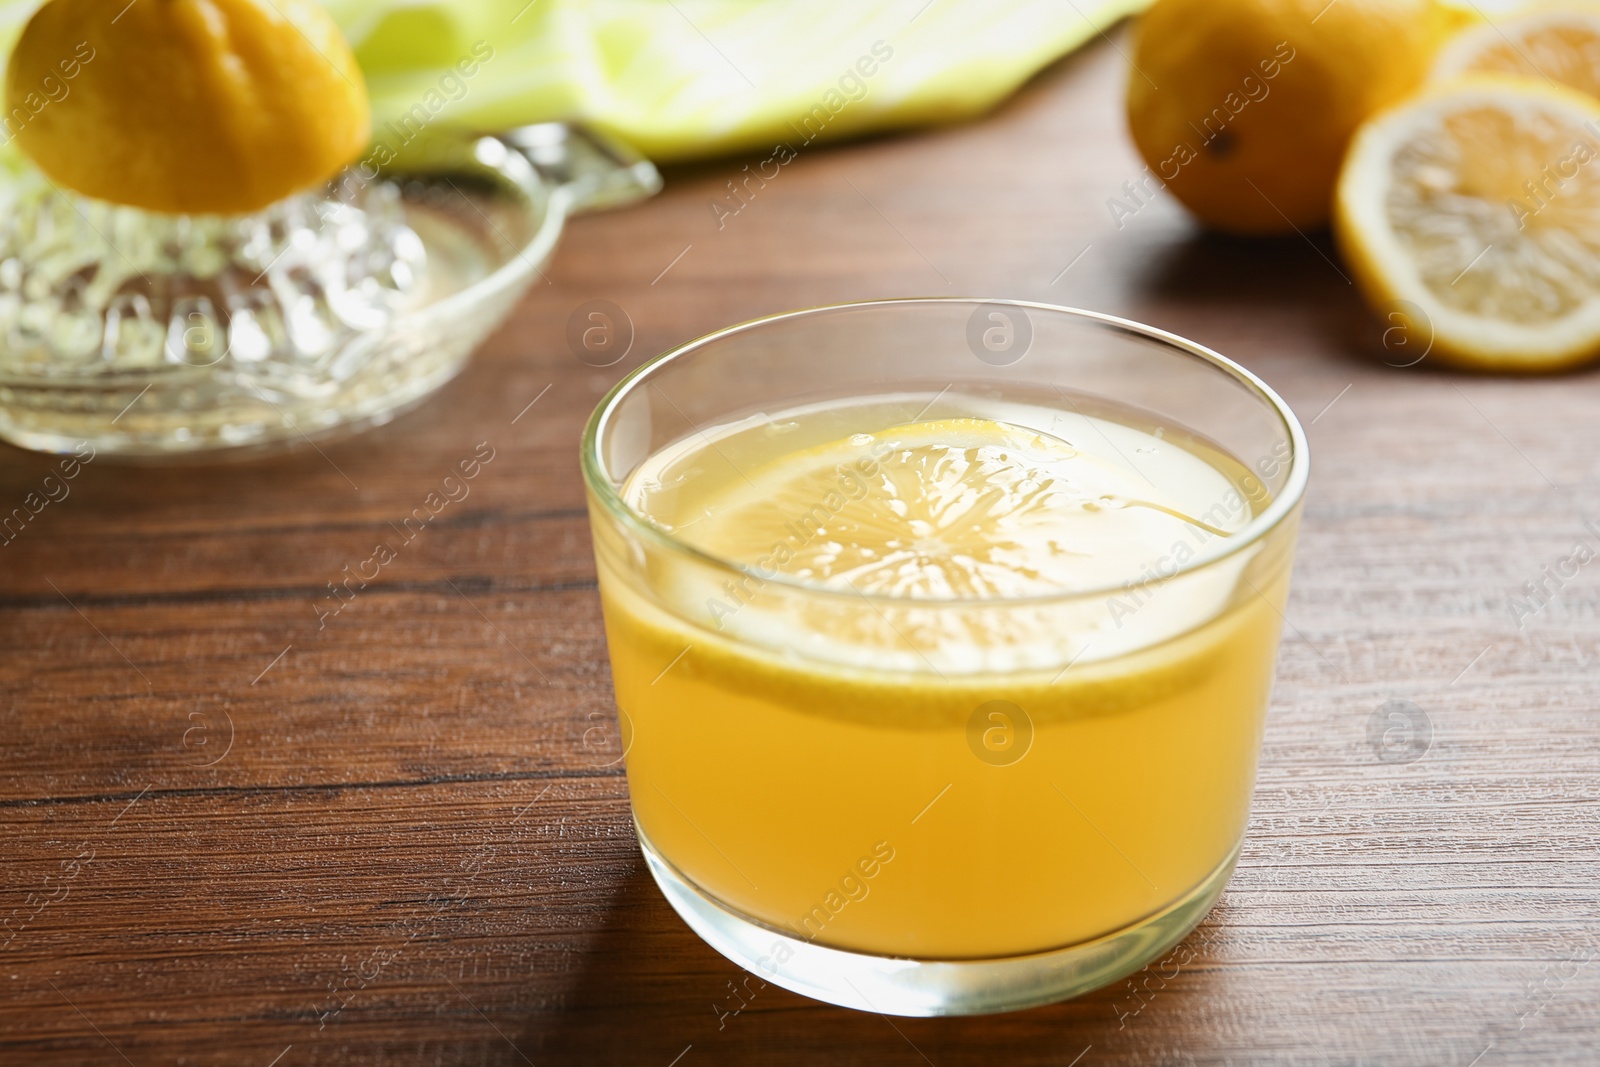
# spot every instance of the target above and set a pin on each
(594, 171)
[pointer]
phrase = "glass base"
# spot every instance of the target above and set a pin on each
(892, 986)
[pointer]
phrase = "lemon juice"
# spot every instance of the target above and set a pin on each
(953, 698)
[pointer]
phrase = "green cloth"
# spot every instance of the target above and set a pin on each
(685, 78)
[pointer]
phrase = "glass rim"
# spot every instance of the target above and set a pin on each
(601, 484)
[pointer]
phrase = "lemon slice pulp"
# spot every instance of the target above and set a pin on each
(1562, 45)
(1479, 204)
(947, 509)
(950, 544)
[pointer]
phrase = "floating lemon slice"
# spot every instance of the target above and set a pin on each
(946, 509)
(949, 545)
(883, 568)
(186, 106)
(1474, 212)
(1562, 45)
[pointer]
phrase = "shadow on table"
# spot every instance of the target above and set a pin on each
(1296, 277)
(1300, 277)
(647, 991)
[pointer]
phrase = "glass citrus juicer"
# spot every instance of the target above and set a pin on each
(148, 333)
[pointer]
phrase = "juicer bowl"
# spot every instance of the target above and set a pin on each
(147, 335)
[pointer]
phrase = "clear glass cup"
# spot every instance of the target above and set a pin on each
(870, 827)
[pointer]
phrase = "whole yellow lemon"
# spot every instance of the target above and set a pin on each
(1244, 108)
(186, 106)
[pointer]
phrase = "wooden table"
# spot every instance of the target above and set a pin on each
(236, 835)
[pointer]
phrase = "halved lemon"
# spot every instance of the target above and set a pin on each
(186, 106)
(1561, 44)
(1475, 209)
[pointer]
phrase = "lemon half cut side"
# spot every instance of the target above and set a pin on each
(1479, 204)
(1558, 44)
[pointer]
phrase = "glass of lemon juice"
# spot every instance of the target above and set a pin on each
(942, 634)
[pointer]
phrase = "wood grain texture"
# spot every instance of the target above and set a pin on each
(236, 834)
